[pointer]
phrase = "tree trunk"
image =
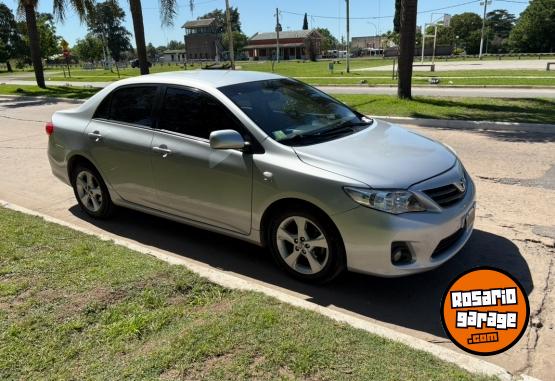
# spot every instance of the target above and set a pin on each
(407, 45)
(9, 66)
(139, 29)
(34, 43)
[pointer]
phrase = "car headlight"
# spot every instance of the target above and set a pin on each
(390, 201)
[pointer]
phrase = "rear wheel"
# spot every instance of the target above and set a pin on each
(91, 192)
(307, 245)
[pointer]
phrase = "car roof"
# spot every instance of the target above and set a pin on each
(207, 78)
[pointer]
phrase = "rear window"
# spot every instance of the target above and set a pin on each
(129, 105)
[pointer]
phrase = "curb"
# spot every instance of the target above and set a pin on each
(233, 281)
(470, 124)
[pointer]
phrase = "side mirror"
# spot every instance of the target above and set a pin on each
(226, 139)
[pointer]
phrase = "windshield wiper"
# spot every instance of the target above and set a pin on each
(335, 129)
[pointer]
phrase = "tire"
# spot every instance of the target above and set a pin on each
(306, 256)
(91, 192)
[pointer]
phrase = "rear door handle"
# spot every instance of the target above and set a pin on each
(163, 149)
(95, 135)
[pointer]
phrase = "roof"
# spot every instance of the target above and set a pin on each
(273, 45)
(201, 23)
(288, 34)
(203, 79)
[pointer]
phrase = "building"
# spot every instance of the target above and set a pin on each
(373, 42)
(177, 55)
(298, 44)
(202, 40)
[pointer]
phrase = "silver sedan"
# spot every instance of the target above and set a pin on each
(272, 161)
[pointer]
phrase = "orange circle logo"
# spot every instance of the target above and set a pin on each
(485, 311)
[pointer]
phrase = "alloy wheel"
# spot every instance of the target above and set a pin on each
(302, 245)
(89, 191)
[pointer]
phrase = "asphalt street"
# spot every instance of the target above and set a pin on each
(515, 230)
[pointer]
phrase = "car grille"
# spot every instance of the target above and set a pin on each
(445, 196)
(446, 243)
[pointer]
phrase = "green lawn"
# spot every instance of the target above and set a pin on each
(75, 307)
(534, 110)
(491, 109)
(51, 91)
(317, 73)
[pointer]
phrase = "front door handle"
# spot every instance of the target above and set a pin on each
(95, 135)
(163, 149)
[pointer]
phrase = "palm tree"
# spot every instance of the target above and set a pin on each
(168, 10)
(407, 43)
(28, 8)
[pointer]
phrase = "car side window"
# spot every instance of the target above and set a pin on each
(194, 113)
(133, 105)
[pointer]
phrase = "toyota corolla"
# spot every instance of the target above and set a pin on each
(270, 160)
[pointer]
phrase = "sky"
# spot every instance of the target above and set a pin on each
(368, 17)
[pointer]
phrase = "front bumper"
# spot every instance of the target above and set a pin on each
(368, 236)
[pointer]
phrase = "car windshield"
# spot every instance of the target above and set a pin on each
(294, 113)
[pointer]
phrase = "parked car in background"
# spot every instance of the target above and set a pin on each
(135, 63)
(270, 160)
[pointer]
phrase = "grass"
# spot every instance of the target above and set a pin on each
(75, 307)
(533, 110)
(51, 91)
(317, 73)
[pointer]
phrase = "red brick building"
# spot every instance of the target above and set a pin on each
(298, 44)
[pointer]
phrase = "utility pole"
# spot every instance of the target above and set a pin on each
(348, 40)
(278, 29)
(230, 35)
(485, 3)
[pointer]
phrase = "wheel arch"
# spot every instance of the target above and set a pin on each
(291, 203)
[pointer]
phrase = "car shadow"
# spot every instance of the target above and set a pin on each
(412, 302)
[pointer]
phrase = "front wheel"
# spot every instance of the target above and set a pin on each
(306, 245)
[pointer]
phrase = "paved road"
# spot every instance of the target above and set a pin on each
(490, 92)
(524, 64)
(515, 231)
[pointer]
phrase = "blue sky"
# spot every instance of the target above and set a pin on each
(258, 15)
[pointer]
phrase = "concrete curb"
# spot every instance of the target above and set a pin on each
(234, 281)
(470, 124)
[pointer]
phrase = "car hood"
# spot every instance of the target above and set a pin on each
(382, 156)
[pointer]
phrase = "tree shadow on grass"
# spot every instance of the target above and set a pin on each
(412, 302)
(529, 110)
(58, 92)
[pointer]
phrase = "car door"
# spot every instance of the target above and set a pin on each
(193, 180)
(120, 136)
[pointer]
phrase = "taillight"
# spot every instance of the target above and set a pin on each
(49, 127)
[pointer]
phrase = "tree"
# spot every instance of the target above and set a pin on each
(499, 24)
(152, 52)
(10, 39)
(106, 23)
(221, 23)
(468, 27)
(305, 22)
(176, 45)
(407, 43)
(89, 49)
(328, 40)
(535, 30)
(168, 10)
(239, 41)
(49, 41)
(28, 8)
(397, 17)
